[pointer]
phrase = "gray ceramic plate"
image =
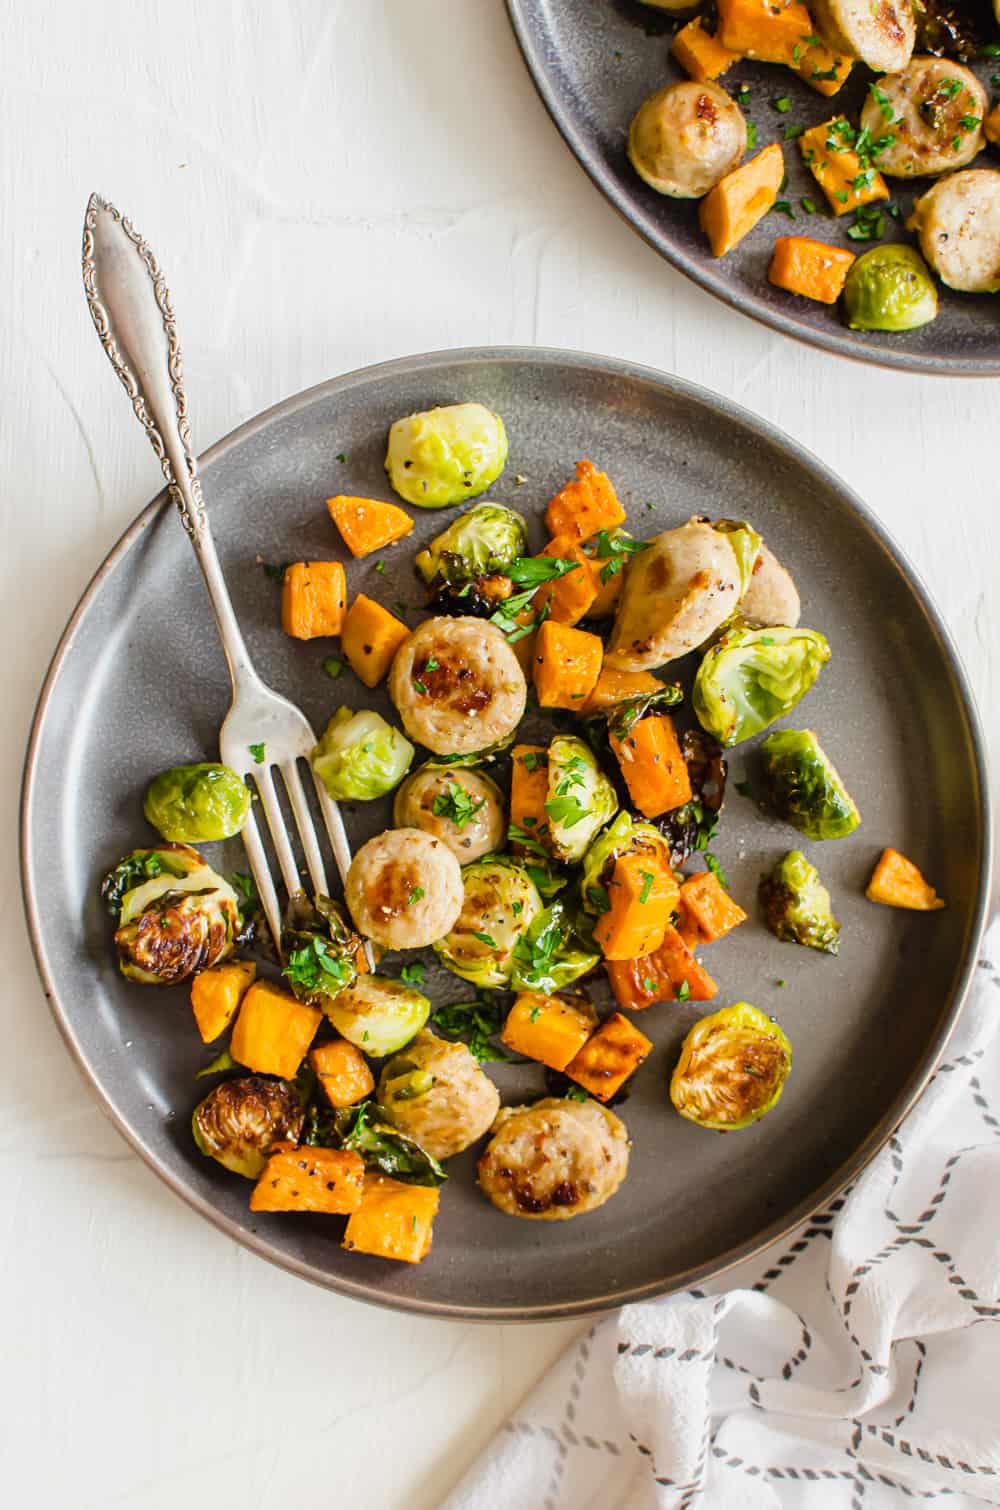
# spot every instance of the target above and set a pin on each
(139, 683)
(593, 66)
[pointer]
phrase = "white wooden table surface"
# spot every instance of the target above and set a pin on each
(328, 185)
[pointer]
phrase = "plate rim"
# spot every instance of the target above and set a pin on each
(781, 1227)
(701, 273)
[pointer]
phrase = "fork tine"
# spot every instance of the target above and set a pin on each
(279, 834)
(335, 829)
(262, 878)
(307, 831)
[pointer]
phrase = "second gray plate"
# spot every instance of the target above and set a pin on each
(593, 66)
(139, 683)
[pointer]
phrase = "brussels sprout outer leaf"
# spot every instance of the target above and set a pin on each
(239, 1122)
(360, 756)
(796, 905)
(383, 1148)
(144, 865)
(482, 542)
(746, 544)
(580, 799)
(751, 677)
(474, 1023)
(803, 787)
(732, 1068)
(191, 804)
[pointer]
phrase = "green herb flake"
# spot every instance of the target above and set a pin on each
(716, 869)
(485, 938)
(648, 984)
(332, 666)
(751, 136)
(647, 885)
(809, 206)
(780, 983)
(882, 101)
(792, 133)
(744, 788)
(276, 573)
(456, 804)
(380, 566)
(782, 207)
(419, 686)
(415, 896)
(534, 1014)
(257, 751)
(532, 571)
(683, 991)
(341, 457)
(414, 975)
(742, 98)
(782, 105)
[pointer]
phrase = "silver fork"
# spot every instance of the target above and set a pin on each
(130, 304)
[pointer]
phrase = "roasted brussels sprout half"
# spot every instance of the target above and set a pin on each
(751, 677)
(239, 1122)
(378, 1015)
(746, 544)
(386, 1149)
(802, 786)
(479, 543)
(500, 904)
(581, 798)
(320, 950)
(554, 951)
(625, 836)
(193, 804)
(890, 288)
(444, 456)
(796, 905)
(732, 1069)
(360, 756)
(175, 914)
(693, 826)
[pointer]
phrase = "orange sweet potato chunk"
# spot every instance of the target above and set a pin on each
(322, 1180)
(701, 55)
(570, 597)
(732, 209)
(896, 882)
(585, 506)
(342, 1071)
(705, 904)
(813, 269)
(394, 1220)
(370, 638)
(654, 768)
(567, 665)
(549, 1029)
(608, 1058)
(313, 599)
(367, 524)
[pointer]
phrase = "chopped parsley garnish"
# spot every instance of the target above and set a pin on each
(751, 136)
(276, 573)
(474, 1023)
(882, 101)
(647, 885)
(415, 896)
(869, 224)
(792, 133)
(566, 811)
(534, 1014)
(341, 456)
(456, 804)
(683, 991)
(532, 571)
(743, 95)
(779, 983)
(614, 551)
(508, 615)
(257, 751)
(809, 206)
(380, 566)
(648, 984)
(419, 686)
(332, 666)
(314, 967)
(518, 835)
(532, 760)
(716, 869)
(485, 938)
(598, 898)
(414, 975)
(782, 207)
(783, 105)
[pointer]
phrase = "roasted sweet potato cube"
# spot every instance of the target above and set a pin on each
(529, 790)
(550, 1029)
(324, 1180)
(609, 1057)
(313, 599)
(653, 765)
(394, 1220)
(643, 895)
(896, 882)
(342, 1071)
(370, 638)
(670, 974)
(571, 596)
(567, 665)
(828, 155)
(705, 902)
(216, 995)
(584, 506)
(701, 55)
(368, 524)
(615, 686)
(811, 268)
(273, 1031)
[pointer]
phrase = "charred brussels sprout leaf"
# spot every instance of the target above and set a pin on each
(239, 1122)
(620, 718)
(796, 905)
(181, 919)
(482, 542)
(196, 803)
(474, 758)
(746, 544)
(383, 1148)
(555, 951)
(581, 799)
(378, 1015)
(625, 836)
(500, 903)
(474, 1023)
(320, 950)
(360, 756)
(751, 677)
(732, 1068)
(446, 455)
(802, 786)
(693, 826)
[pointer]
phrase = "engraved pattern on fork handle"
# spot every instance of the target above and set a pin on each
(189, 501)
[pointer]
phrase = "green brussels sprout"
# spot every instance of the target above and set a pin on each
(320, 950)
(556, 950)
(625, 836)
(581, 798)
(501, 902)
(443, 456)
(479, 543)
(796, 904)
(746, 544)
(890, 288)
(377, 1015)
(239, 1122)
(802, 785)
(360, 756)
(732, 1069)
(751, 677)
(175, 915)
(694, 824)
(386, 1149)
(196, 803)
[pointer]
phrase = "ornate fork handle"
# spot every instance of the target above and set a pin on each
(134, 318)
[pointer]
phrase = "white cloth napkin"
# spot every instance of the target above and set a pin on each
(854, 1367)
